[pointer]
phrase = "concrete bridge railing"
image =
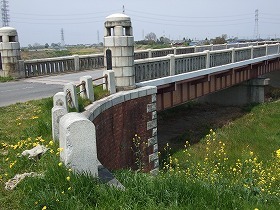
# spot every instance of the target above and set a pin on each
(152, 68)
(37, 67)
(46, 66)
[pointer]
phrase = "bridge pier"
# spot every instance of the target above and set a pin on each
(251, 91)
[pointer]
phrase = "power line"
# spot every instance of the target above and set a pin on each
(188, 17)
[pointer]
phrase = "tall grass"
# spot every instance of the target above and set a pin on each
(235, 167)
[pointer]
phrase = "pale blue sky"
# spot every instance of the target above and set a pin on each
(41, 21)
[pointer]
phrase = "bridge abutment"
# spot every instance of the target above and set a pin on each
(251, 91)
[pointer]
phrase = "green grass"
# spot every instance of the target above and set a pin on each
(6, 79)
(187, 179)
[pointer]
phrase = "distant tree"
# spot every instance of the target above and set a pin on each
(151, 37)
(220, 39)
(164, 40)
(47, 45)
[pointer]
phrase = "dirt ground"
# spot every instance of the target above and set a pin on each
(192, 122)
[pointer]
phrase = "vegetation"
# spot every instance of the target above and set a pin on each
(235, 167)
(6, 79)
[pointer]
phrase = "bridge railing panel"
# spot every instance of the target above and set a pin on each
(87, 62)
(184, 50)
(220, 47)
(220, 57)
(203, 48)
(242, 54)
(162, 52)
(48, 66)
(190, 63)
(151, 69)
(272, 49)
(259, 51)
(142, 54)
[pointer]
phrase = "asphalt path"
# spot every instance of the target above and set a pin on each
(39, 87)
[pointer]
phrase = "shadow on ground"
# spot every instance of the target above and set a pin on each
(192, 121)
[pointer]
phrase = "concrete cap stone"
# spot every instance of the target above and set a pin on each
(118, 20)
(8, 31)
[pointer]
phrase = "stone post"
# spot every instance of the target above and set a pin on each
(71, 93)
(9, 52)
(278, 50)
(266, 49)
(59, 99)
(119, 39)
(57, 113)
(77, 138)
(111, 81)
(89, 93)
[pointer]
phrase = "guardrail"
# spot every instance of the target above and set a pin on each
(152, 68)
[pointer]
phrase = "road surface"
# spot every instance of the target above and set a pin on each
(39, 87)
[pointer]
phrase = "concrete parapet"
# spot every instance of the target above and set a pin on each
(77, 139)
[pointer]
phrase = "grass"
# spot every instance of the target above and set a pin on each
(235, 167)
(6, 79)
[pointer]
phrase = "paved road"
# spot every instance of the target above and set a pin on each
(38, 87)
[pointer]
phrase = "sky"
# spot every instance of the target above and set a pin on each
(39, 21)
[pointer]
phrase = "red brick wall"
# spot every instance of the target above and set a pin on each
(115, 129)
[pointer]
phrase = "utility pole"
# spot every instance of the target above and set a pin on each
(5, 13)
(123, 9)
(256, 29)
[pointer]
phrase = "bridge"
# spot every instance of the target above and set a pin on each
(140, 84)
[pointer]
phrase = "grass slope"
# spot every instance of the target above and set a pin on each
(235, 167)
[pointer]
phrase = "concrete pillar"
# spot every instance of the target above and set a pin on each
(252, 52)
(207, 58)
(150, 53)
(233, 55)
(172, 65)
(77, 138)
(76, 63)
(121, 44)
(10, 52)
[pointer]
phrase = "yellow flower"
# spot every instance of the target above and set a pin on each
(68, 178)
(51, 151)
(44, 208)
(60, 164)
(51, 143)
(69, 188)
(59, 149)
(251, 153)
(278, 153)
